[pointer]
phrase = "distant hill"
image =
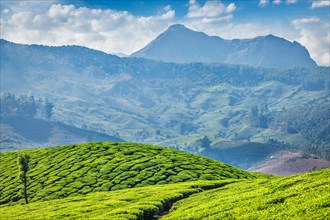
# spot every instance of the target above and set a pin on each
(265, 157)
(20, 133)
(285, 163)
(171, 104)
(241, 154)
(64, 171)
(181, 45)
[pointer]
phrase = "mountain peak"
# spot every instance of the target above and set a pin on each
(177, 27)
(180, 44)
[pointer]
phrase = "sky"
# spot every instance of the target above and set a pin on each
(125, 26)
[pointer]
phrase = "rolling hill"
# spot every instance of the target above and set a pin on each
(71, 170)
(181, 45)
(171, 104)
(133, 181)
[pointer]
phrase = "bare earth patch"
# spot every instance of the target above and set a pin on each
(287, 163)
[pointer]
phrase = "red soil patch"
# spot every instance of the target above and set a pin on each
(287, 163)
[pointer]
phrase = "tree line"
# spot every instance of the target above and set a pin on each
(25, 106)
(310, 121)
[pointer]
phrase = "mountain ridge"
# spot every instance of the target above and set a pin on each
(182, 45)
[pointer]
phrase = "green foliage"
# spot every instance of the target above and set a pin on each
(59, 172)
(23, 165)
(25, 106)
(135, 203)
(304, 196)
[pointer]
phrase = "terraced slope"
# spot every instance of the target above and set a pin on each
(305, 196)
(297, 197)
(136, 203)
(72, 170)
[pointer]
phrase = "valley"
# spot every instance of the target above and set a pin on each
(173, 105)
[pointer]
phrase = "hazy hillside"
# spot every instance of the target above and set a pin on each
(181, 45)
(25, 123)
(20, 133)
(167, 104)
(71, 170)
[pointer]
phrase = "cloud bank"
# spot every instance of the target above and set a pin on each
(107, 30)
(111, 31)
(315, 36)
(320, 3)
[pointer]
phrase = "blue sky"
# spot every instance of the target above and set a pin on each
(124, 26)
(248, 9)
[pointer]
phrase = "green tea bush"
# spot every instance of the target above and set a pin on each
(67, 170)
(304, 196)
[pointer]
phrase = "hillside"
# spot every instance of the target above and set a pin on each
(241, 154)
(147, 203)
(80, 169)
(21, 133)
(186, 193)
(304, 196)
(285, 163)
(181, 45)
(271, 158)
(170, 104)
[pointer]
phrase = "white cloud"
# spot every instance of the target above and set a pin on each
(211, 11)
(320, 3)
(231, 8)
(6, 11)
(291, 1)
(315, 36)
(167, 8)
(302, 21)
(119, 31)
(277, 2)
(263, 3)
(107, 30)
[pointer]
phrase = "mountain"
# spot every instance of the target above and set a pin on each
(181, 45)
(174, 105)
(134, 181)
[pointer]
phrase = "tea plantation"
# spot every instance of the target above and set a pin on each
(72, 170)
(304, 196)
(135, 203)
(134, 181)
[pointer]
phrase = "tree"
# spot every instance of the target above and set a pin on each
(23, 164)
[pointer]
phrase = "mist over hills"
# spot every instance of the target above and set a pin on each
(181, 45)
(170, 104)
(21, 133)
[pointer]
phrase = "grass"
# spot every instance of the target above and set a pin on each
(304, 196)
(73, 170)
(135, 203)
